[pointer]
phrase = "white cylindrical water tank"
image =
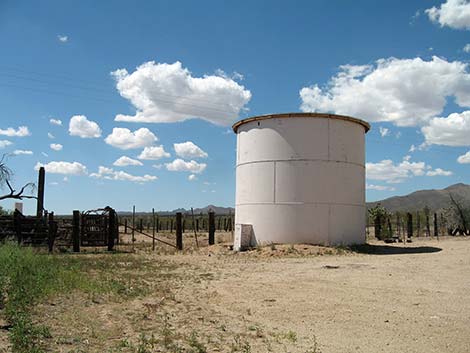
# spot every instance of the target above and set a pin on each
(301, 178)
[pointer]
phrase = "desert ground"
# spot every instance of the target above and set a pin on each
(377, 298)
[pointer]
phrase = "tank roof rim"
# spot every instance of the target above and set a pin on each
(365, 124)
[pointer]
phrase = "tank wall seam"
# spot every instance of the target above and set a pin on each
(299, 160)
(328, 139)
(300, 203)
(274, 188)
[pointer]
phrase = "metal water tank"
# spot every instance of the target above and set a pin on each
(300, 178)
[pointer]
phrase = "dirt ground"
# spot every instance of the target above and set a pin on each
(378, 298)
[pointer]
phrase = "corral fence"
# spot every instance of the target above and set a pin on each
(172, 229)
(104, 228)
(89, 228)
(29, 230)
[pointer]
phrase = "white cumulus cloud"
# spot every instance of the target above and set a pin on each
(5, 143)
(111, 174)
(125, 161)
(407, 92)
(192, 177)
(163, 92)
(50, 136)
(55, 122)
(392, 173)
(453, 130)
(80, 126)
(22, 152)
(189, 150)
(439, 172)
(153, 153)
(453, 13)
(21, 131)
(464, 159)
(466, 48)
(126, 139)
(179, 165)
(60, 167)
(56, 146)
(379, 187)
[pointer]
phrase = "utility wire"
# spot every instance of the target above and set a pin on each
(109, 100)
(88, 85)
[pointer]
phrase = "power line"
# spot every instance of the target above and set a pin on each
(89, 85)
(109, 100)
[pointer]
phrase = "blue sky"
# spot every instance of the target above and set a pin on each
(402, 66)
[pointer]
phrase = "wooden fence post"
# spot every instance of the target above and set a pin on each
(125, 226)
(389, 226)
(211, 228)
(111, 229)
(436, 228)
(76, 231)
(409, 225)
(179, 231)
(17, 226)
(52, 231)
(40, 202)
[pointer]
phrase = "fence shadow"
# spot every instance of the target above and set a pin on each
(378, 249)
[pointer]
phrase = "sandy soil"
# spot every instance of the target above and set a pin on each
(381, 298)
(410, 302)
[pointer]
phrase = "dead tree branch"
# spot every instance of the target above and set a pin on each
(5, 179)
(460, 211)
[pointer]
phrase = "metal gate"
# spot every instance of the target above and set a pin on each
(96, 227)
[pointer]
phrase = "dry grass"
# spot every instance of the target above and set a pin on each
(272, 299)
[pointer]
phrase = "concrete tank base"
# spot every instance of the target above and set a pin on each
(301, 178)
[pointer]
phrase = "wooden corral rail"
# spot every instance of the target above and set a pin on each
(29, 230)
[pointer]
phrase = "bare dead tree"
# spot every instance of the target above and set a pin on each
(460, 212)
(5, 179)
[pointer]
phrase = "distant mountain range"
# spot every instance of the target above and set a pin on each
(434, 199)
(204, 210)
